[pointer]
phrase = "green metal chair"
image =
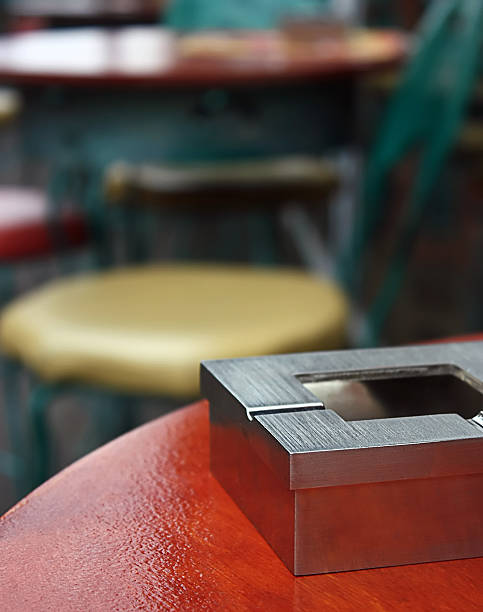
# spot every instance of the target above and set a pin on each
(424, 114)
(423, 117)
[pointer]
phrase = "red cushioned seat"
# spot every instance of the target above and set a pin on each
(26, 230)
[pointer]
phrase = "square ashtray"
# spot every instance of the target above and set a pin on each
(354, 459)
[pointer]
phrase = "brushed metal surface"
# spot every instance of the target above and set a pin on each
(389, 523)
(275, 381)
(295, 466)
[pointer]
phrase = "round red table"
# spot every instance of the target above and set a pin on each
(141, 524)
(152, 56)
(142, 95)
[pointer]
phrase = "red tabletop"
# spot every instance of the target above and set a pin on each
(141, 524)
(153, 56)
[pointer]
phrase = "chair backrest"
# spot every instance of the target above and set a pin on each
(423, 117)
(235, 14)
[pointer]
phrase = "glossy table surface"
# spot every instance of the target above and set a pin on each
(142, 524)
(154, 56)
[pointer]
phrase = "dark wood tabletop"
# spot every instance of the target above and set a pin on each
(141, 524)
(153, 56)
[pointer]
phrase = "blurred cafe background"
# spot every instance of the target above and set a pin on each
(196, 179)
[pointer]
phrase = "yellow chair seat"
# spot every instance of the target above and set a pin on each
(146, 329)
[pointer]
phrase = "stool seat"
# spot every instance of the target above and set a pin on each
(241, 182)
(26, 229)
(147, 328)
(141, 524)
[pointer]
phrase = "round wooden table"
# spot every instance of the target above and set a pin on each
(142, 524)
(142, 94)
(154, 56)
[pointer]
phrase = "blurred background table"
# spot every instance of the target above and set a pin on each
(155, 57)
(142, 524)
(140, 94)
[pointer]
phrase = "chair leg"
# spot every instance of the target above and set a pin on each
(227, 243)
(12, 403)
(40, 399)
(110, 415)
(115, 415)
(263, 242)
(137, 235)
(6, 284)
(97, 215)
(127, 407)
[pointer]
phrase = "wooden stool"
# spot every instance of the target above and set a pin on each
(146, 329)
(142, 524)
(242, 191)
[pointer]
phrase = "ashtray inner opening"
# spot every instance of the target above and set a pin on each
(362, 399)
